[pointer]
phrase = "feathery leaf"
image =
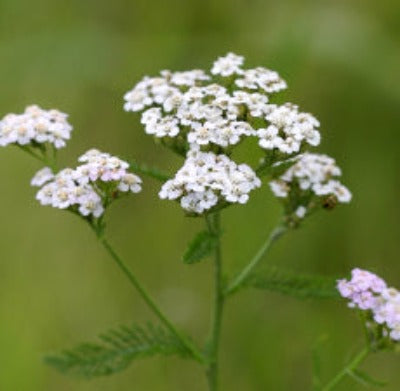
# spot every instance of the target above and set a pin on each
(294, 284)
(203, 244)
(151, 172)
(115, 350)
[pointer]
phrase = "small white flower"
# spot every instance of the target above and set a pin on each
(188, 78)
(256, 103)
(91, 205)
(227, 65)
(130, 182)
(261, 78)
(301, 211)
(42, 176)
(279, 188)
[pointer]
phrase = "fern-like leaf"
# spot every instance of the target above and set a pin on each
(151, 172)
(203, 244)
(115, 350)
(294, 284)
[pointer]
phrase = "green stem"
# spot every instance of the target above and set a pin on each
(244, 274)
(213, 223)
(347, 370)
(149, 171)
(26, 149)
(50, 161)
(149, 301)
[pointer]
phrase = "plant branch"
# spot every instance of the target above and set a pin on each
(30, 152)
(50, 161)
(347, 370)
(213, 223)
(239, 280)
(150, 302)
(151, 172)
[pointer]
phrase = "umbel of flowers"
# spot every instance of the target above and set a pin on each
(204, 115)
(90, 187)
(86, 190)
(310, 180)
(35, 127)
(370, 294)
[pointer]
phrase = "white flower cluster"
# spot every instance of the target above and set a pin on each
(366, 291)
(89, 187)
(314, 173)
(213, 111)
(35, 125)
(252, 79)
(207, 178)
(288, 129)
(205, 112)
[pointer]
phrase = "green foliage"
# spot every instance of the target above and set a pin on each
(294, 284)
(316, 363)
(115, 350)
(365, 379)
(151, 172)
(203, 244)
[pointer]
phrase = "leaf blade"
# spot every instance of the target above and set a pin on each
(302, 286)
(149, 171)
(203, 244)
(115, 350)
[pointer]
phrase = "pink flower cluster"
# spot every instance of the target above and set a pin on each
(362, 290)
(366, 291)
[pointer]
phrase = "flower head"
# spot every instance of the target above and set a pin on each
(42, 176)
(368, 292)
(88, 188)
(35, 125)
(311, 177)
(207, 179)
(227, 65)
(208, 109)
(205, 115)
(288, 129)
(261, 79)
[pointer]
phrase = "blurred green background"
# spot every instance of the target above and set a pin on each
(57, 287)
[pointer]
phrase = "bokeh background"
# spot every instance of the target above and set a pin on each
(57, 287)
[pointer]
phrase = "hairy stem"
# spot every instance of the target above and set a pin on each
(150, 302)
(151, 172)
(213, 223)
(50, 161)
(347, 370)
(239, 280)
(26, 149)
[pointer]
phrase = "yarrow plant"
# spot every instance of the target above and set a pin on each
(203, 116)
